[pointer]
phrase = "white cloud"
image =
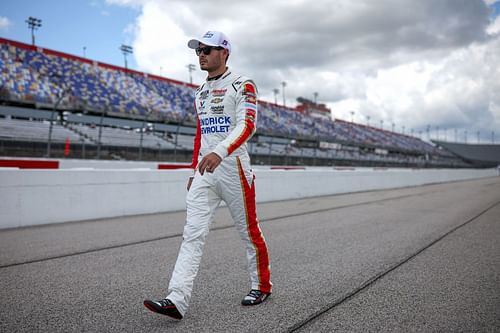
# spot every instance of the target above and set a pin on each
(127, 3)
(4, 23)
(490, 2)
(159, 42)
(494, 27)
(460, 91)
(409, 62)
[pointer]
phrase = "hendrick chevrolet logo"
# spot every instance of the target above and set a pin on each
(215, 124)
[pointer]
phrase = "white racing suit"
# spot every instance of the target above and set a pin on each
(227, 111)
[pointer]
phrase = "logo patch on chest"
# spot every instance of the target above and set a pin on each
(204, 94)
(217, 100)
(217, 109)
(219, 92)
(215, 124)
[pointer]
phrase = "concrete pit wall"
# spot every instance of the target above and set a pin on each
(34, 197)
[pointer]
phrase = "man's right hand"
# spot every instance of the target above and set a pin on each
(190, 181)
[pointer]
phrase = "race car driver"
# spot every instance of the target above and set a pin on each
(226, 105)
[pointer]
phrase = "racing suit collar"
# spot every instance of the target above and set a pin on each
(226, 72)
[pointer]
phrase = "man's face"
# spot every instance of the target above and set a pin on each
(212, 61)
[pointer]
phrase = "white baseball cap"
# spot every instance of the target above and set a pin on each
(211, 38)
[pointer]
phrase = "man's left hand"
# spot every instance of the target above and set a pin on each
(209, 163)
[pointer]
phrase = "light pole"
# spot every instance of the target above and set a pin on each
(381, 124)
(315, 98)
(33, 24)
(56, 104)
(143, 129)
(99, 137)
(191, 68)
(145, 118)
(84, 52)
(101, 120)
(352, 116)
(283, 84)
(276, 92)
(367, 120)
(126, 50)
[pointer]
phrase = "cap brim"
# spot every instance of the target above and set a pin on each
(194, 43)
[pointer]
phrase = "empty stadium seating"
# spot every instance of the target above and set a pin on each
(121, 137)
(43, 77)
(34, 130)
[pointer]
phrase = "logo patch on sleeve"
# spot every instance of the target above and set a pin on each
(249, 89)
(251, 99)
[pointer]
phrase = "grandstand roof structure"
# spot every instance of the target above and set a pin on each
(483, 155)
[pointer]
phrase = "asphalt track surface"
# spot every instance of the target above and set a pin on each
(420, 259)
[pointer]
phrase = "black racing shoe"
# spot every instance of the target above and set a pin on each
(164, 307)
(255, 297)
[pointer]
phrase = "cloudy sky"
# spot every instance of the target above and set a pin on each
(414, 63)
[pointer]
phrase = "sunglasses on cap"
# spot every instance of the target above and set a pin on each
(207, 49)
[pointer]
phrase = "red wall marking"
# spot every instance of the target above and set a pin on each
(29, 164)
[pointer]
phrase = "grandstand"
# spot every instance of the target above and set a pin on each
(479, 155)
(108, 111)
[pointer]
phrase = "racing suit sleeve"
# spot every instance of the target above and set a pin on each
(246, 116)
(196, 147)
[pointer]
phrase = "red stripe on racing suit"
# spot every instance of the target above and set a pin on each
(250, 105)
(197, 145)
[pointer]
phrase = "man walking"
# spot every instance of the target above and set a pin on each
(226, 105)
